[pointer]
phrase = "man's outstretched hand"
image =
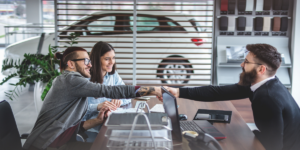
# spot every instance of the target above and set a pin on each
(174, 91)
(150, 90)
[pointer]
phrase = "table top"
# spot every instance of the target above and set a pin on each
(238, 135)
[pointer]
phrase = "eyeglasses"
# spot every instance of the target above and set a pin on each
(247, 62)
(86, 60)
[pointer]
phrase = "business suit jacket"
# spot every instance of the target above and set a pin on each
(276, 113)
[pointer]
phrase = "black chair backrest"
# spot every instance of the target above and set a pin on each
(9, 134)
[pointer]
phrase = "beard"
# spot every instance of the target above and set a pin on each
(246, 78)
(81, 70)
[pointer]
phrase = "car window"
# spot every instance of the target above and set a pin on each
(108, 22)
(171, 23)
(168, 25)
(151, 21)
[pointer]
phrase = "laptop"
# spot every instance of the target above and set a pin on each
(200, 126)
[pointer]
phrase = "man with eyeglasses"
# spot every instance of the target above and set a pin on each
(65, 104)
(276, 113)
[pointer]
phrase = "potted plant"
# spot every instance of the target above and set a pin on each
(35, 68)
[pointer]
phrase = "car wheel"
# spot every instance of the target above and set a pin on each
(174, 79)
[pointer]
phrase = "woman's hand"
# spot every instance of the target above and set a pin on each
(103, 114)
(116, 102)
(107, 104)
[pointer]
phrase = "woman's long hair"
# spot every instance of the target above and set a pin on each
(99, 49)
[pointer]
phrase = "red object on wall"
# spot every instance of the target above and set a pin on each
(224, 5)
(197, 42)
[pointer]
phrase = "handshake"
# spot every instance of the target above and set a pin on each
(150, 90)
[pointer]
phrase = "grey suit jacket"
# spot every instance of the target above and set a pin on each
(65, 105)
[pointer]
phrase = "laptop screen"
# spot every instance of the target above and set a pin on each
(170, 106)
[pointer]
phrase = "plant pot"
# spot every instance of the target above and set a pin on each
(38, 90)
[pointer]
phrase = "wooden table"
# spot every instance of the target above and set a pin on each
(239, 136)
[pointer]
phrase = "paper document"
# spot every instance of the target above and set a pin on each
(158, 108)
(129, 110)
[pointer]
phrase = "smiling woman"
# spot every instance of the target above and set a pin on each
(103, 71)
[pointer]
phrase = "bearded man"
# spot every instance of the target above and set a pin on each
(59, 120)
(276, 113)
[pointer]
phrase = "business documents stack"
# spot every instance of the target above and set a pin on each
(134, 131)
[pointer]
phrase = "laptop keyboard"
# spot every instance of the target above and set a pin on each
(189, 126)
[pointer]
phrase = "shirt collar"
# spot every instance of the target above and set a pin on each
(257, 85)
(106, 75)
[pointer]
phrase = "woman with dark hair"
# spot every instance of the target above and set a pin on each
(104, 72)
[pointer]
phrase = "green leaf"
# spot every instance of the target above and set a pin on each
(50, 51)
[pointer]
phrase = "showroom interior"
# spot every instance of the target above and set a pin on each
(175, 43)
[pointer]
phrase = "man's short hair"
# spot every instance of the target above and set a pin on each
(267, 55)
(68, 54)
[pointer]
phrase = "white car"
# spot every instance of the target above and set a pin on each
(163, 44)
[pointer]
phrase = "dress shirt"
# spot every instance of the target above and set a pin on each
(92, 111)
(257, 85)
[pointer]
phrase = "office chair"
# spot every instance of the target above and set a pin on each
(9, 135)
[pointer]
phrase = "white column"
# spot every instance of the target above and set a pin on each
(295, 49)
(33, 11)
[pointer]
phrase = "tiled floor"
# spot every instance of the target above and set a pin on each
(23, 106)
